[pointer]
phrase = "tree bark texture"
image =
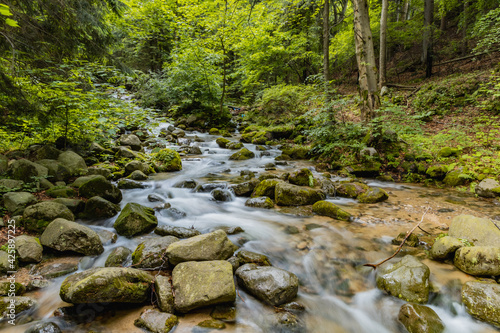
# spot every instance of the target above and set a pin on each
(427, 40)
(383, 44)
(326, 43)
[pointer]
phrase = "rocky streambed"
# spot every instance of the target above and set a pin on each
(194, 232)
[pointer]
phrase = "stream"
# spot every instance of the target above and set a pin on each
(327, 255)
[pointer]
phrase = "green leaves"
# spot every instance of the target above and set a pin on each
(5, 11)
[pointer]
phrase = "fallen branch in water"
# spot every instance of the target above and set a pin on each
(374, 266)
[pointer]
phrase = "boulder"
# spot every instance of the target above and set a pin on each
(453, 178)
(302, 177)
(408, 279)
(179, 232)
(150, 254)
(100, 186)
(297, 152)
(61, 192)
(234, 145)
(26, 170)
(130, 140)
(73, 162)
(293, 195)
(249, 257)
(420, 319)
(8, 185)
(135, 219)
(222, 142)
(53, 268)
(99, 208)
(138, 175)
(260, 202)
(198, 284)
(47, 152)
(16, 202)
(83, 179)
(75, 205)
(481, 232)
(209, 187)
(168, 160)
(478, 260)
(28, 249)
(373, 195)
(437, 171)
(244, 189)
(488, 188)
(4, 164)
(482, 301)
(107, 285)
(136, 166)
(164, 294)
(156, 322)
(129, 184)
(56, 170)
(272, 285)
(326, 208)
(445, 247)
(118, 257)
(38, 216)
(44, 327)
(266, 188)
(222, 195)
(6, 285)
(21, 304)
(6, 263)
(106, 173)
(64, 235)
(351, 190)
(242, 154)
(188, 183)
(211, 246)
(124, 152)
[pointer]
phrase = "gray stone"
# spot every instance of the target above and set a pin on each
(151, 253)
(135, 219)
(51, 269)
(249, 257)
(83, 179)
(445, 247)
(272, 285)
(107, 285)
(75, 205)
(179, 232)
(21, 304)
(420, 319)
(16, 202)
(222, 195)
(156, 322)
(11, 184)
(56, 170)
(130, 140)
(478, 231)
(28, 249)
(293, 195)
(73, 162)
(164, 294)
(482, 301)
(486, 188)
(38, 216)
(478, 260)
(138, 175)
(211, 246)
(44, 327)
(260, 202)
(100, 186)
(64, 235)
(118, 257)
(198, 284)
(106, 173)
(26, 170)
(99, 208)
(129, 184)
(408, 279)
(244, 189)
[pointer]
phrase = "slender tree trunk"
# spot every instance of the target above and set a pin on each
(404, 11)
(465, 43)
(383, 44)
(326, 43)
(365, 56)
(427, 40)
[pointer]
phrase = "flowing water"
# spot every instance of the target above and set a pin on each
(327, 255)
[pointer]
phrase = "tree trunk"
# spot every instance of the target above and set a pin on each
(326, 44)
(427, 40)
(404, 12)
(383, 45)
(466, 14)
(365, 56)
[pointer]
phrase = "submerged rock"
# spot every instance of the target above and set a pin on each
(351, 190)
(408, 279)
(211, 246)
(272, 285)
(326, 208)
(135, 219)
(373, 195)
(420, 319)
(107, 285)
(222, 195)
(478, 260)
(198, 284)
(260, 202)
(293, 195)
(482, 301)
(156, 322)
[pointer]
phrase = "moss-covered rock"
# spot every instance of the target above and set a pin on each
(420, 319)
(205, 247)
(38, 216)
(61, 192)
(249, 257)
(453, 178)
(247, 137)
(156, 322)
(73, 162)
(135, 219)
(488, 188)
(168, 160)
(63, 235)
(198, 284)
(101, 187)
(478, 231)
(260, 202)
(437, 171)
(369, 169)
(302, 177)
(151, 253)
(234, 145)
(445, 247)
(482, 301)
(75, 205)
(326, 208)
(26, 170)
(408, 279)
(222, 142)
(448, 152)
(222, 195)
(351, 190)
(165, 294)
(293, 195)
(373, 195)
(7, 287)
(272, 285)
(100, 208)
(297, 152)
(107, 285)
(16, 202)
(244, 189)
(28, 249)
(478, 260)
(56, 170)
(21, 304)
(260, 138)
(118, 257)
(242, 154)
(266, 188)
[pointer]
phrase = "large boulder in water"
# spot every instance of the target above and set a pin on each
(482, 301)
(408, 279)
(100, 186)
(302, 177)
(206, 247)
(266, 188)
(26, 170)
(155, 321)
(64, 235)
(327, 208)
(478, 260)
(151, 253)
(272, 285)
(198, 284)
(244, 189)
(420, 319)
(107, 285)
(351, 190)
(260, 202)
(293, 195)
(38, 216)
(135, 219)
(480, 232)
(168, 160)
(73, 162)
